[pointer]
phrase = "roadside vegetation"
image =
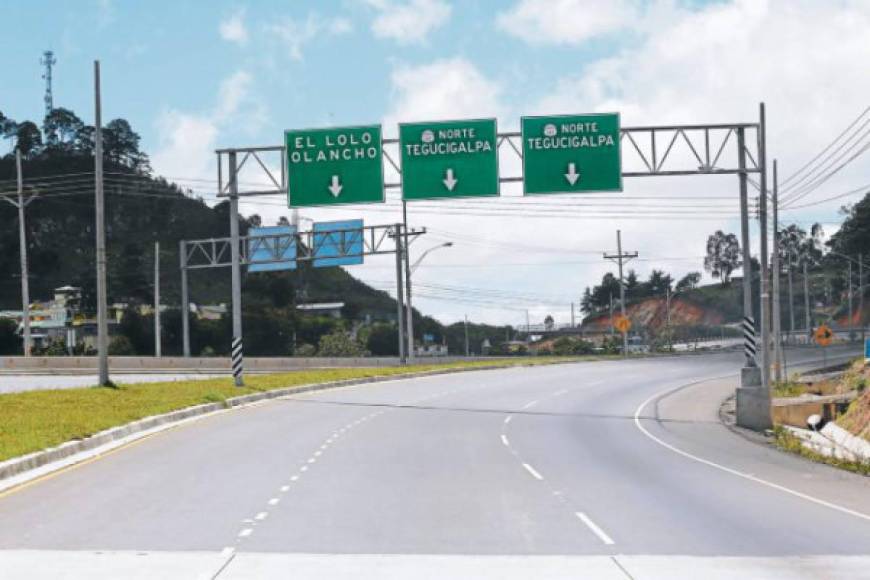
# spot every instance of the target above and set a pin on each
(35, 420)
(786, 441)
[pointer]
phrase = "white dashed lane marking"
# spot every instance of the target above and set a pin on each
(532, 471)
(504, 440)
(595, 529)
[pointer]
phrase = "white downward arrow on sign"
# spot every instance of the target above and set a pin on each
(572, 176)
(335, 186)
(449, 180)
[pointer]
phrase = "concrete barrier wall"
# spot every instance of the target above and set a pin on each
(204, 364)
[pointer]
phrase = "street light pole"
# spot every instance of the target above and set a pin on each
(409, 271)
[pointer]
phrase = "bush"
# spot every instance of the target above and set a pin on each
(54, 347)
(383, 340)
(339, 344)
(121, 346)
(10, 342)
(305, 349)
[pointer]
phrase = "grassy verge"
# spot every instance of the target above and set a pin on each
(35, 420)
(786, 441)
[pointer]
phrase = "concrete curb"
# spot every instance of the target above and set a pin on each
(20, 470)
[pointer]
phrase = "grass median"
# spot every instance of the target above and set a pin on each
(35, 420)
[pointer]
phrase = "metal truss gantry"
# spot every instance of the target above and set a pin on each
(651, 151)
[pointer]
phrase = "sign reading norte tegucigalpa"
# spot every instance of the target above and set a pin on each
(449, 159)
(334, 166)
(571, 154)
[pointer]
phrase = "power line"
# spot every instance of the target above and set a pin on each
(794, 175)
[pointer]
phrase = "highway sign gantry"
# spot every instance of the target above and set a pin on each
(571, 154)
(334, 166)
(449, 159)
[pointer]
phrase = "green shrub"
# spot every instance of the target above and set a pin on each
(121, 346)
(339, 343)
(305, 349)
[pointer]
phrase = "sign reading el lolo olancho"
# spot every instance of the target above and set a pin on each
(334, 166)
(449, 159)
(571, 154)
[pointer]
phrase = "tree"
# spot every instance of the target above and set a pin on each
(659, 282)
(8, 127)
(549, 322)
(28, 139)
(121, 146)
(383, 340)
(723, 256)
(62, 129)
(689, 281)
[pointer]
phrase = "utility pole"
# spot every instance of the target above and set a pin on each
(807, 318)
(99, 203)
(668, 312)
(528, 326)
(611, 315)
(22, 243)
(466, 335)
(400, 300)
(861, 296)
(851, 325)
(157, 349)
(777, 315)
(765, 273)
(572, 315)
(185, 301)
(790, 259)
(620, 259)
(409, 311)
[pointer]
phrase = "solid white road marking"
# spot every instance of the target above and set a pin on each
(595, 529)
(732, 471)
(246, 532)
(504, 440)
(531, 470)
(261, 516)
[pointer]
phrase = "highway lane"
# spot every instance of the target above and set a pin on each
(546, 463)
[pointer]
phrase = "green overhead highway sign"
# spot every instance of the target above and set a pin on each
(334, 166)
(449, 159)
(571, 154)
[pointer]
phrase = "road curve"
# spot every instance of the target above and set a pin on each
(608, 469)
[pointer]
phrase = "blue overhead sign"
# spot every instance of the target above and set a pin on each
(867, 348)
(338, 243)
(271, 249)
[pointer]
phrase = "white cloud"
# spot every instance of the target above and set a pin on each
(187, 140)
(408, 22)
(444, 89)
(567, 21)
(233, 29)
(296, 34)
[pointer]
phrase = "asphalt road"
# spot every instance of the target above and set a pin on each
(590, 470)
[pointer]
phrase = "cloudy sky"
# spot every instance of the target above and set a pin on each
(192, 76)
